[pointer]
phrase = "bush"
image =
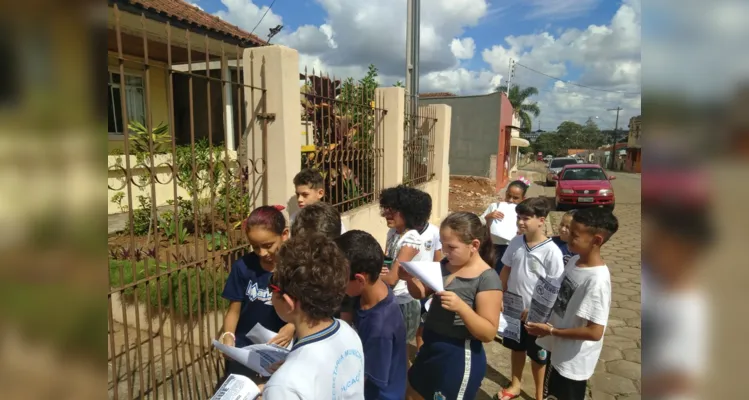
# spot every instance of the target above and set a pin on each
(183, 285)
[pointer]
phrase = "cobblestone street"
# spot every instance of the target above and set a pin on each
(618, 371)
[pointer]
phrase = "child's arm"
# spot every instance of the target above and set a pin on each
(591, 331)
(416, 288)
(482, 323)
(230, 321)
(406, 253)
(504, 276)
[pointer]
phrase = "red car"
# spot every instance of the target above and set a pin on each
(584, 185)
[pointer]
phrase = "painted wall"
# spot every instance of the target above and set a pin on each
(503, 148)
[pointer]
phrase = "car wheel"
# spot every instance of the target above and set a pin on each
(610, 207)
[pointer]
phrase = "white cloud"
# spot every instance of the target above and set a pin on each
(463, 49)
(359, 32)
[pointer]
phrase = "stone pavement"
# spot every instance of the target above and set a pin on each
(618, 371)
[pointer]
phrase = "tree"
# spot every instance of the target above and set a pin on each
(549, 143)
(523, 110)
(399, 84)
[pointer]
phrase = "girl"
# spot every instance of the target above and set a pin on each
(247, 285)
(514, 194)
(406, 211)
(564, 236)
(452, 362)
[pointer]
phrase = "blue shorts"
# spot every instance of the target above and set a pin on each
(451, 367)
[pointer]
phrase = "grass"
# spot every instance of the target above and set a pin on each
(191, 288)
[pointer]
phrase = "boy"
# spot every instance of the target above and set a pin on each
(310, 190)
(575, 331)
(327, 359)
(320, 218)
(528, 257)
(377, 318)
(564, 236)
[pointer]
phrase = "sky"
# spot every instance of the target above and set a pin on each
(582, 55)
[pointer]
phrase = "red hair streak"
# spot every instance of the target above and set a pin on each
(279, 207)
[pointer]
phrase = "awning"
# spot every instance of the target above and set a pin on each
(519, 142)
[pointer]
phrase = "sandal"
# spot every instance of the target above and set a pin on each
(505, 395)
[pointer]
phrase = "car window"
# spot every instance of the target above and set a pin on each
(559, 163)
(584, 174)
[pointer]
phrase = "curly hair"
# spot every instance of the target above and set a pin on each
(363, 252)
(310, 177)
(414, 204)
(321, 218)
(598, 220)
(312, 270)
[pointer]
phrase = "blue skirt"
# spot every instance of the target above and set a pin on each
(452, 368)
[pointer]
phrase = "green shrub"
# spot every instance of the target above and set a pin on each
(182, 284)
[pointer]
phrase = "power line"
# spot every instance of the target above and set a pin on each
(575, 84)
(263, 17)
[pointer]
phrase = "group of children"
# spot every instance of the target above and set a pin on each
(348, 308)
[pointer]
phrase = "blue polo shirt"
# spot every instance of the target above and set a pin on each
(383, 336)
(566, 253)
(248, 283)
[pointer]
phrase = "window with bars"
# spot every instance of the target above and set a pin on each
(134, 98)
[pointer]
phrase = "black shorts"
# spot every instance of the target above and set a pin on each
(529, 346)
(561, 388)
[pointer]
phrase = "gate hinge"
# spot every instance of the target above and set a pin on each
(266, 116)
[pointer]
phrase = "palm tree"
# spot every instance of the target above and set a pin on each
(524, 110)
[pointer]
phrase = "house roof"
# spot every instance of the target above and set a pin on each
(437, 94)
(192, 15)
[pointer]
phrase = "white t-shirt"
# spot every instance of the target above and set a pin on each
(492, 207)
(527, 264)
(326, 365)
(431, 239)
(411, 238)
(291, 222)
(584, 295)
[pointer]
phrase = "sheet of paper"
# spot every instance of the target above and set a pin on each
(507, 228)
(512, 330)
(257, 357)
(428, 272)
(237, 387)
(542, 302)
(260, 334)
(502, 324)
(513, 305)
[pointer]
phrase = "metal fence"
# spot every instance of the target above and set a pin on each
(343, 124)
(418, 144)
(183, 191)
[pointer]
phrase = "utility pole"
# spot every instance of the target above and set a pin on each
(413, 41)
(510, 73)
(613, 139)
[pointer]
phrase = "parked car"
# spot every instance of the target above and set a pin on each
(548, 158)
(581, 185)
(556, 165)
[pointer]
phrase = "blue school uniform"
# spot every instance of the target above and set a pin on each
(566, 253)
(452, 363)
(383, 336)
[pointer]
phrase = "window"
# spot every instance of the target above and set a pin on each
(583, 174)
(134, 97)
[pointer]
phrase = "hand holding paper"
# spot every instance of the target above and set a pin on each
(507, 227)
(258, 357)
(428, 272)
(260, 334)
(237, 387)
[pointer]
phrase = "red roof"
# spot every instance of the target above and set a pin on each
(437, 94)
(192, 15)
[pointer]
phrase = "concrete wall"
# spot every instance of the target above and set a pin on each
(474, 136)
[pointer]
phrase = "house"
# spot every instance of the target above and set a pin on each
(481, 134)
(634, 148)
(178, 66)
(151, 37)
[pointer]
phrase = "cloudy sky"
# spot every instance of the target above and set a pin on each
(585, 53)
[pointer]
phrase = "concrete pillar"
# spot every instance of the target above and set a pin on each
(394, 101)
(443, 113)
(276, 70)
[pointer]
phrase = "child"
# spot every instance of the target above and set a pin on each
(327, 359)
(317, 218)
(431, 239)
(452, 362)
(528, 257)
(514, 194)
(406, 211)
(377, 318)
(247, 285)
(564, 236)
(310, 190)
(574, 334)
